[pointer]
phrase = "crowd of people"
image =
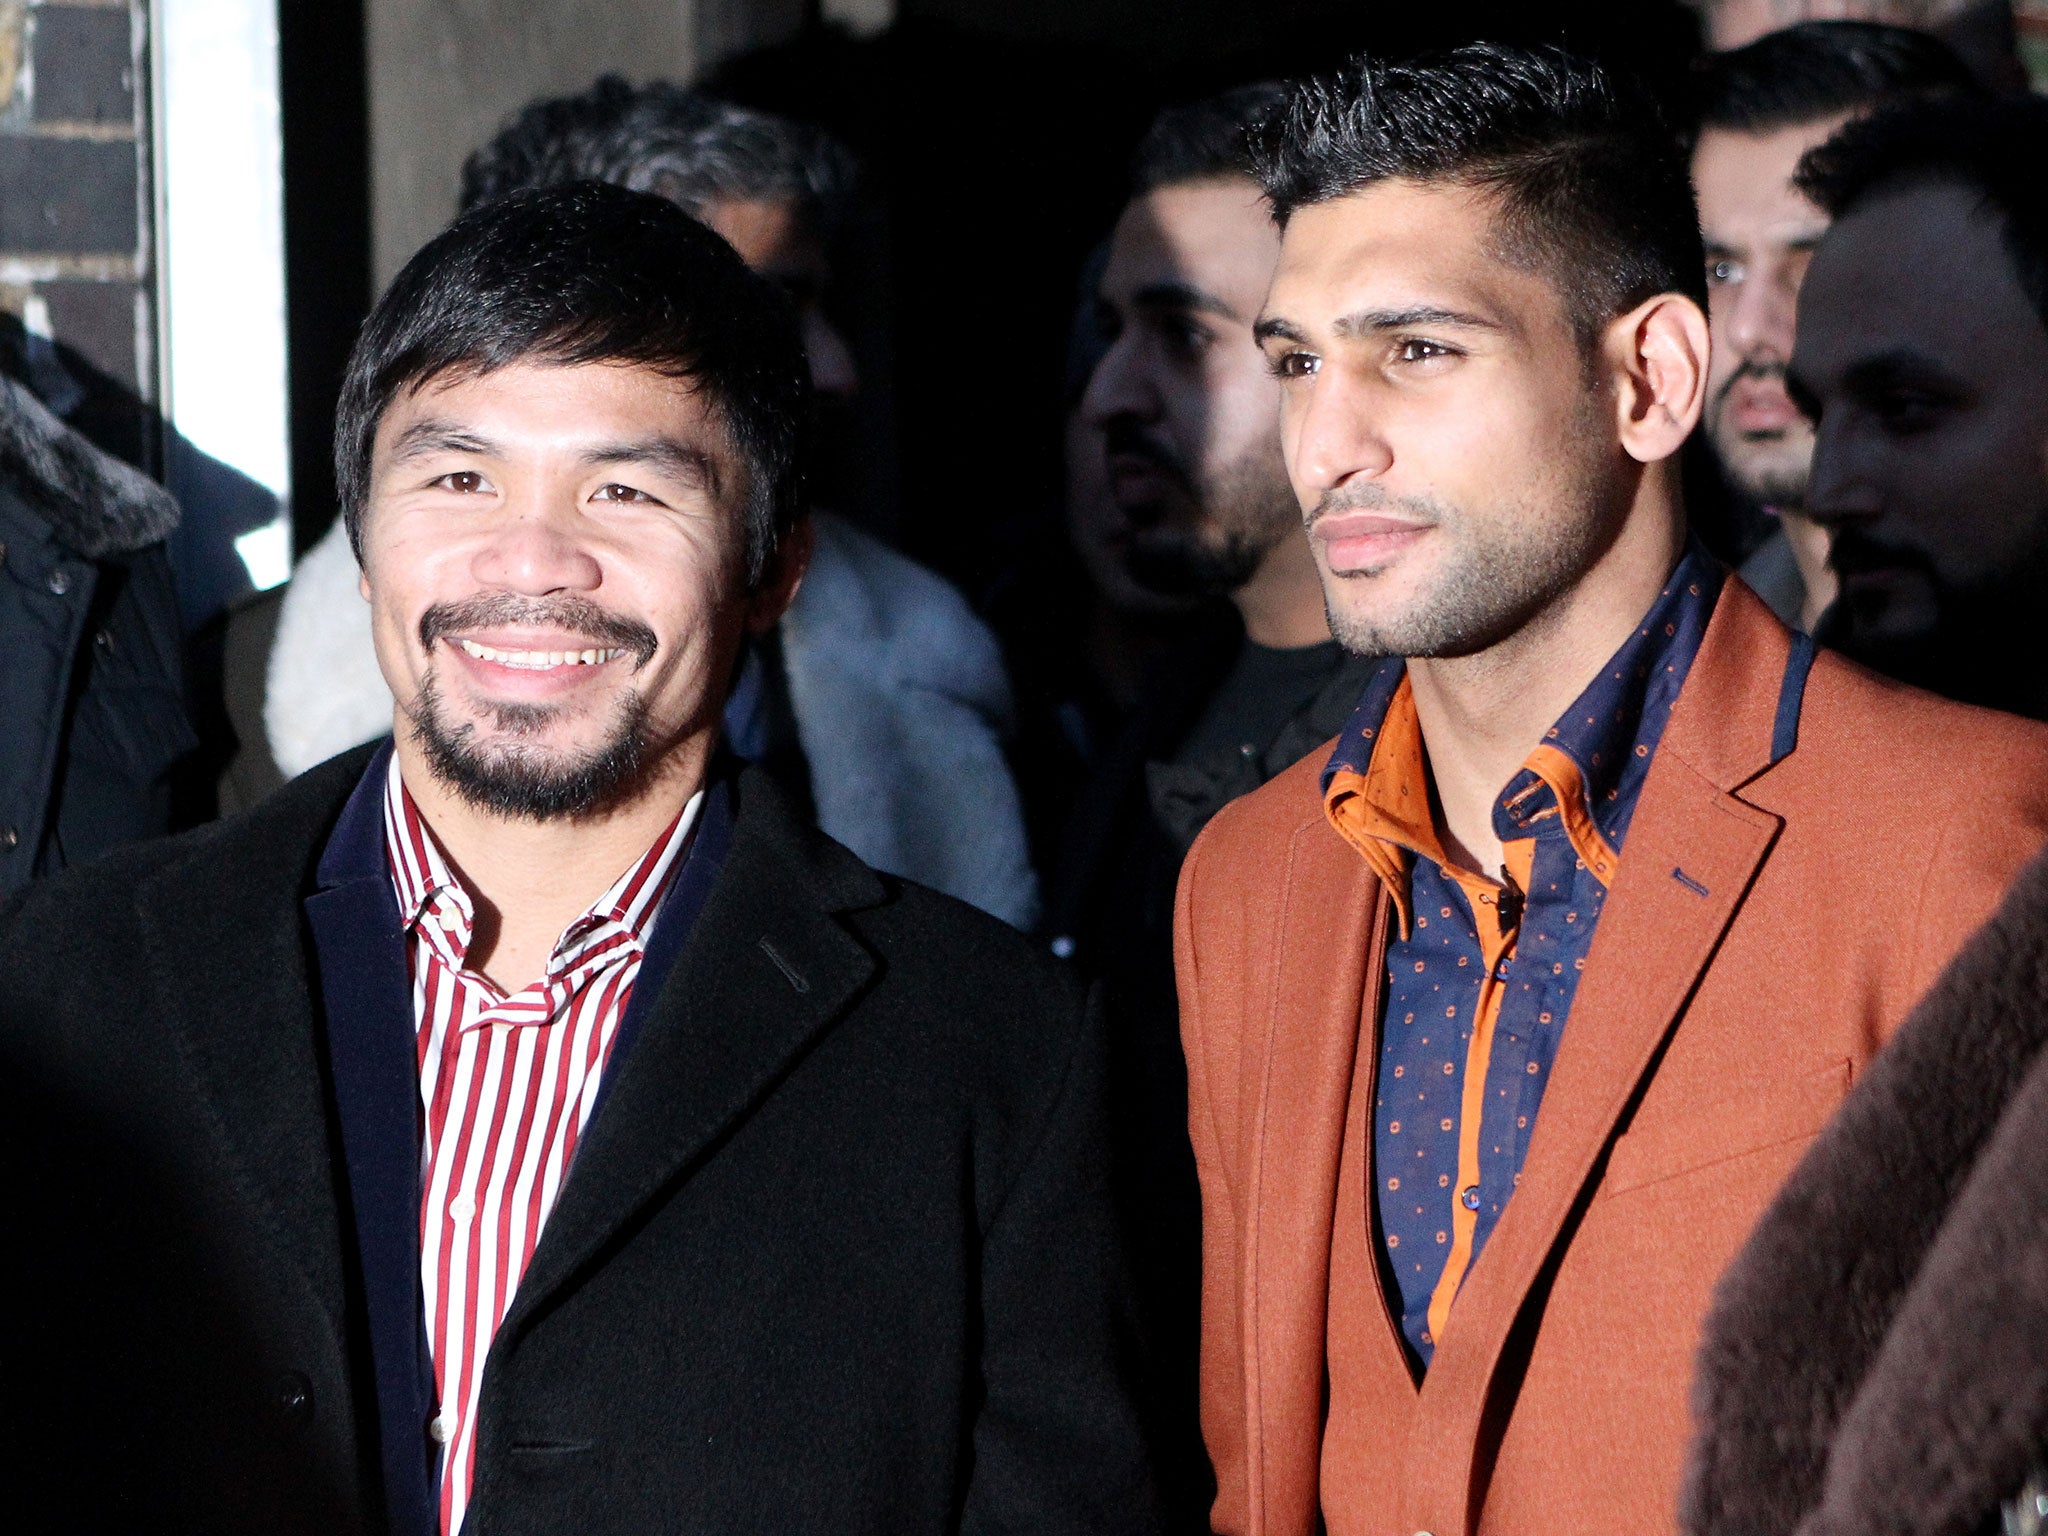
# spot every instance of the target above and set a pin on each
(1436, 1015)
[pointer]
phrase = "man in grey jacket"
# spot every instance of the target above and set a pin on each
(880, 700)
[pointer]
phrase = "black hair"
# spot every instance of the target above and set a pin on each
(684, 145)
(1203, 140)
(1592, 184)
(588, 273)
(1994, 149)
(1820, 69)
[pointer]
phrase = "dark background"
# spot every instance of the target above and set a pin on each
(993, 155)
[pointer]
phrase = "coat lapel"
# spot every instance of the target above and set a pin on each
(367, 1003)
(1692, 852)
(766, 969)
(232, 970)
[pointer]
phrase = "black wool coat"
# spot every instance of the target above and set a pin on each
(1877, 1356)
(837, 1252)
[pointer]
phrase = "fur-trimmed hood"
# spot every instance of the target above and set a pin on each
(1877, 1356)
(95, 505)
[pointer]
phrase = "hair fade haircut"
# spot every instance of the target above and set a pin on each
(1590, 182)
(580, 274)
(684, 145)
(1992, 149)
(1204, 140)
(1818, 70)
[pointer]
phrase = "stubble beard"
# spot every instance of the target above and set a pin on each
(1772, 469)
(1493, 582)
(1244, 510)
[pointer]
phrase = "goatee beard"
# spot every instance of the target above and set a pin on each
(512, 778)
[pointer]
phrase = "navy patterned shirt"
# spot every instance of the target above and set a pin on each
(1481, 973)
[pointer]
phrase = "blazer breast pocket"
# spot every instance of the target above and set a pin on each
(1658, 1147)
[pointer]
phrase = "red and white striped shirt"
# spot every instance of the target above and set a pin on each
(507, 1084)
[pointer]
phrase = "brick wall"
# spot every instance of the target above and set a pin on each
(75, 219)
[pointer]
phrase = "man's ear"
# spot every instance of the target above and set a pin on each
(776, 590)
(1657, 356)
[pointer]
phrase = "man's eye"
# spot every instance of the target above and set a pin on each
(622, 493)
(1906, 411)
(1294, 365)
(1723, 270)
(464, 482)
(1184, 338)
(1417, 351)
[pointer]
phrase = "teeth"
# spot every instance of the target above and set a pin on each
(540, 661)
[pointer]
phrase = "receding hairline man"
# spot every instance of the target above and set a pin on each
(1480, 1092)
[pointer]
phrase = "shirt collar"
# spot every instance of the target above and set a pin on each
(427, 888)
(1584, 776)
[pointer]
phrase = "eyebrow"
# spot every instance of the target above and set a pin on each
(1899, 365)
(431, 436)
(1181, 296)
(666, 454)
(425, 438)
(1374, 322)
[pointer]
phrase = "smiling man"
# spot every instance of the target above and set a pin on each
(528, 1123)
(1506, 1013)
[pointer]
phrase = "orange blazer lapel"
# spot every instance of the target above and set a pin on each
(1324, 996)
(1692, 852)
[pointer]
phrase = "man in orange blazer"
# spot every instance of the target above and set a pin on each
(1507, 1014)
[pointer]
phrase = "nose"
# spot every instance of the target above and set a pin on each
(1329, 435)
(537, 550)
(1845, 485)
(1120, 385)
(832, 368)
(1763, 316)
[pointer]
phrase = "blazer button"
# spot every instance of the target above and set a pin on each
(294, 1398)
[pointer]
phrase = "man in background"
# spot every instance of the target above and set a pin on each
(1761, 108)
(1982, 32)
(1181, 416)
(1923, 358)
(880, 700)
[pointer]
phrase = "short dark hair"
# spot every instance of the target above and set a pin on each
(1203, 140)
(1820, 69)
(589, 273)
(1993, 148)
(684, 145)
(1592, 184)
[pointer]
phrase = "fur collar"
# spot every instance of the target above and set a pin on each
(1877, 1356)
(94, 504)
(323, 692)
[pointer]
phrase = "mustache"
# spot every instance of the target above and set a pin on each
(1754, 370)
(577, 615)
(1376, 498)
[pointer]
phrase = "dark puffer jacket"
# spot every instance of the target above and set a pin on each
(1877, 1357)
(92, 721)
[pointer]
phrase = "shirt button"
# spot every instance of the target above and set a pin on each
(59, 582)
(1471, 1197)
(462, 1207)
(9, 839)
(1063, 947)
(437, 1429)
